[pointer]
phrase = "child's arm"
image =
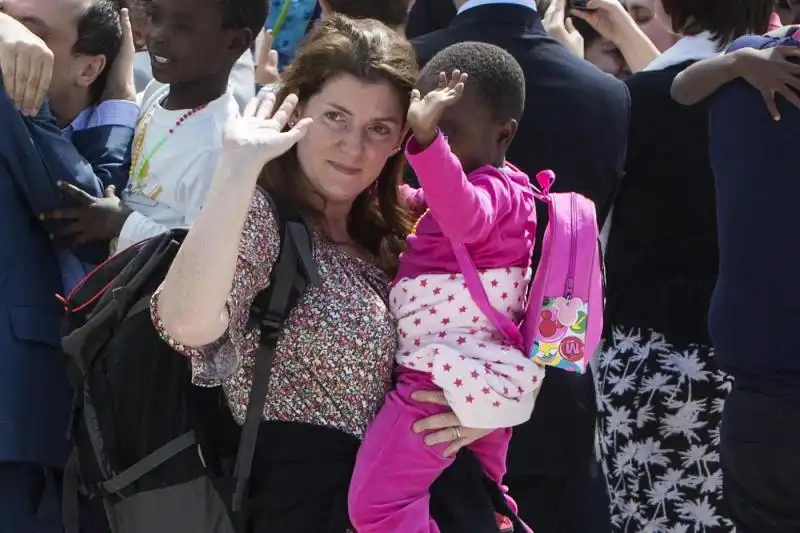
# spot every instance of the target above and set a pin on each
(768, 70)
(464, 212)
(415, 198)
(702, 79)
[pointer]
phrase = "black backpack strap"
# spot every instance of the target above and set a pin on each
(83, 343)
(293, 271)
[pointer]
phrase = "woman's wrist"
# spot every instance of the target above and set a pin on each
(627, 32)
(621, 23)
(234, 170)
(637, 49)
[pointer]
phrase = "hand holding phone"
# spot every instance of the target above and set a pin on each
(559, 25)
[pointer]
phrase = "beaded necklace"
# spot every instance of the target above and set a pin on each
(140, 172)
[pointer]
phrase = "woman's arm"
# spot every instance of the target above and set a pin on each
(192, 303)
(612, 21)
(193, 298)
(637, 49)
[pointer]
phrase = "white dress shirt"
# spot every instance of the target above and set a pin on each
(469, 4)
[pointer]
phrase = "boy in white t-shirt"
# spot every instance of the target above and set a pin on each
(193, 45)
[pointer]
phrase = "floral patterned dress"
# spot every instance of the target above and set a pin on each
(333, 360)
(660, 392)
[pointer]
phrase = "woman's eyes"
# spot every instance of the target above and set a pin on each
(380, 129)
(339, 119)
(334, 116)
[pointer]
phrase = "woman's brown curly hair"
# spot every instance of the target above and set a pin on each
(379, 220)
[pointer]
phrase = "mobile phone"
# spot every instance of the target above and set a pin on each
(578, 4)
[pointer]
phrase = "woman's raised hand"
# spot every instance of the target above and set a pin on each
(258, 136)
(608, 17)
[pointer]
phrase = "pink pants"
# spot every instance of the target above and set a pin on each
(394, 469)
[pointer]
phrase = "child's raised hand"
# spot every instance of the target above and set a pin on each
(258, 136)
(424, 113)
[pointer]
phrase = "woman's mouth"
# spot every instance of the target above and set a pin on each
(344, 169)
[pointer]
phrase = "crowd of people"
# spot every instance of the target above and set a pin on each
(407, 134)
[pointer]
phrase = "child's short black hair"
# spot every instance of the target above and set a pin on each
(250, 14)
(495, 77)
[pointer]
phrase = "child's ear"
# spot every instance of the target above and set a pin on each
(241, 41)
(506, 133)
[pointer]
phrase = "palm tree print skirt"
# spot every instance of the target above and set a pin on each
(660, 408)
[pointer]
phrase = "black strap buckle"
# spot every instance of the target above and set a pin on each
(270, 322)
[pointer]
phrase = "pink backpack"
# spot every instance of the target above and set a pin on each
(563, 320)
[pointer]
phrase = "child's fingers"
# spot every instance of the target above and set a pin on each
(790, 95)
(80, 195)
(793, 82)
(272, 59)
(415, 95)
(772, 107)
(454, 78)
(266, 44)
(442, 80)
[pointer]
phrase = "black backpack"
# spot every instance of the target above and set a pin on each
(160, 454)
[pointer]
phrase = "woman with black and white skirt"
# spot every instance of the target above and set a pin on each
(660, 390)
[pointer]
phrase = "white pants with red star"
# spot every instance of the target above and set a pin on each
(487, 383)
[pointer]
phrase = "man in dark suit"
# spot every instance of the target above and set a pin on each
(427, 16)
(37, 150)
(575, 123)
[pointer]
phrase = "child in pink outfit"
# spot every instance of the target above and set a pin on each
(444, 341)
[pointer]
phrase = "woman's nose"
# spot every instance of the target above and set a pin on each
(352, 142)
